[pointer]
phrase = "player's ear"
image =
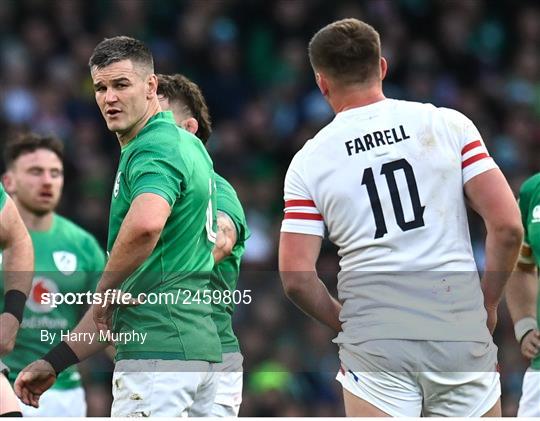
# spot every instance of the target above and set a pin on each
(151, 86)
(8, 182)
(322, 83)
(384, 68)
(191, 125)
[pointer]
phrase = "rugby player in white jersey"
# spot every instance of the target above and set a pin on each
(390, 180)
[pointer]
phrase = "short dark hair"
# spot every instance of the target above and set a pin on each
(179, 88)
(348, 50)
(112, 50)
(30, 142)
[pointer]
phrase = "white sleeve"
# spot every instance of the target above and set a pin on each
(301, 214)
(475, 158)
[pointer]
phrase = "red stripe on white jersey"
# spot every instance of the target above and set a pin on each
(302, 215)
(474, 159)
(299, 202)
(471, 146)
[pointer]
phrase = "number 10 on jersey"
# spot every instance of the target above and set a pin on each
(389, 171)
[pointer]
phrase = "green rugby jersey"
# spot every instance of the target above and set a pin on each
(172, 163)
(529, 204)
(67, 260)
(2, 197)
(225, 273)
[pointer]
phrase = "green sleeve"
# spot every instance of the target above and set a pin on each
(523, 209)
(3, 197)
(157, 171)
(525, 194)
(228, 202)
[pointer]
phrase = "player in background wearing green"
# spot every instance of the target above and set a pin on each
(161, 236)
(18, 269)
(184, 98)
(68, 259)
(523, 299)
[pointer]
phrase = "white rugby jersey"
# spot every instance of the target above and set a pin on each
(387, 181)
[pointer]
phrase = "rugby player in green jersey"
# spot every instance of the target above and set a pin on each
(523, 296)
(18, 268)
(184, 98)
(68, 260)
(161, 236)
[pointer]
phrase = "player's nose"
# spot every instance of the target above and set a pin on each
(46, 178)
(110, 96)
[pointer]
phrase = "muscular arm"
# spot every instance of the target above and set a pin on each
(298, 255)
(85, 349)
(226, 237)
(138, 235)
(521, 292)
(490, 196)
(38, 376)
(521, 295)
(18, 254)
(18, 268)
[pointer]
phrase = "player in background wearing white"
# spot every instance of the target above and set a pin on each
(523, 299)
(18, 268)
(390, 180)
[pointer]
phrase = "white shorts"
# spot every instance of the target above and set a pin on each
(58, 403)
(393, 376)
(529, 404)
(229, 389)
(163, 388)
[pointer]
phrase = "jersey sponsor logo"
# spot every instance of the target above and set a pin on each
(65, 262)
(116, 189)
(40, 286)
(44, 322)
(536, 214)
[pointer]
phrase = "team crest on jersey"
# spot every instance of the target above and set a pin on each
(116, 189)
(65, 262)
(536, 214)
(35, 299)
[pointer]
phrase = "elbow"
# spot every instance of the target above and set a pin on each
(509, 234)
(513, 233)
(291, 289)
(222, 250)
(148, 230)
(227, 248)
(293, 283)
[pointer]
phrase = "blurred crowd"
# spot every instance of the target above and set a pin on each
(250, 59)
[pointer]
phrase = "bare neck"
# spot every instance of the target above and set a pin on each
(33, 221)
(347, 98)
(152, 109)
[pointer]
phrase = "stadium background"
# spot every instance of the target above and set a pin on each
(249, 57)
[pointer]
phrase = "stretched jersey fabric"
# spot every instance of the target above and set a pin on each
(529, 204)
(2, 197)
(387, 181)
(67, 260)
(172, 163)
(225, 273)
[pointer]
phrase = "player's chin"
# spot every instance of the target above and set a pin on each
(116, 126)
(44, 207)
